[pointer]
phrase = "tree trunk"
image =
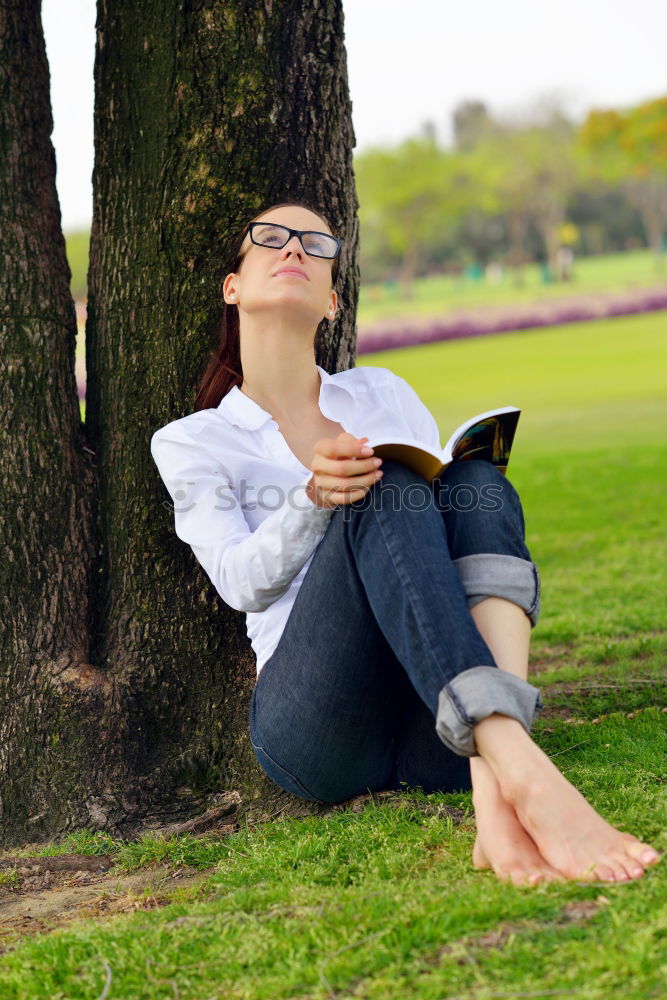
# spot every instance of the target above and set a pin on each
(549, 218)
(408, 268)
(58, 713)
(516, 256)
(125, 679)
(649, 196)
(204, 114)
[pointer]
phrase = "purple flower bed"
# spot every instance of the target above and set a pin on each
(523, 319)
(651, 300)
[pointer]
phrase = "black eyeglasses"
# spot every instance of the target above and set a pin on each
(269, 234)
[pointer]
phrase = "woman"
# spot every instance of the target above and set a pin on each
(392, 636)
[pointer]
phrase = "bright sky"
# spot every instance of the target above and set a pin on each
(409, 62)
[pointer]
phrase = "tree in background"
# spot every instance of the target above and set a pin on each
(553, 172)
(502, 173)
(529, 167)
(629, 149)
(415, 196)
(409, 196)
(125, 680)
(471, 124)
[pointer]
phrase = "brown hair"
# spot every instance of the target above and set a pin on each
(224, 366)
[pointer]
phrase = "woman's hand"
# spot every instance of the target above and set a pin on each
(343, 471)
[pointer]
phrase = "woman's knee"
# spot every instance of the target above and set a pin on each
(482, 511)
(476, 485)
(400, 488)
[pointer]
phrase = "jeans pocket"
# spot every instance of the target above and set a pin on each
(282, 777)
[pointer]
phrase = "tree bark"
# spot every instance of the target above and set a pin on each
(649, 196)
(549, 215)
(516, 254)
(204, 114)
(408, 269)
(125, 679)
(58, 712)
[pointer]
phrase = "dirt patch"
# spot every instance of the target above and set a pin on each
(42, 901)
(397, 800)
(44, 893)
(463, 950)
(551, 657)
(545, 657)
(591, 699)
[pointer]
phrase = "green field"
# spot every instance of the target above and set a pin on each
(77, 244)
(383, 903)
(435, 295)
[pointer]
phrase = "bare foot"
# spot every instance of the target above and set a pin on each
(502, 843)
(504, 846)
(569, 834)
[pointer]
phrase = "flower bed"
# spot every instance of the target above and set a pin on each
(485, 322)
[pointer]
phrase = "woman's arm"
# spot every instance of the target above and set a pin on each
(249, 569)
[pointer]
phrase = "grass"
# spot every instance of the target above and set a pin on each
(436, 294)
(77, 245)
(384, 903)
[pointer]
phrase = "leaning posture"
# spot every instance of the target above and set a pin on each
(390, 617)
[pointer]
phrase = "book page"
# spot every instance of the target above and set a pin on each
(488, 436)
(448, 450)
(489, 439)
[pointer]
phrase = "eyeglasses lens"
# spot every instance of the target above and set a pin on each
(315, 244)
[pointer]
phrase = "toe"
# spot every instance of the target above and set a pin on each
(643, 854)
(479, 858)
(522, 877)
(511, 875)
(599, 873)
(620, 873)
(538, 876)
(626, 866)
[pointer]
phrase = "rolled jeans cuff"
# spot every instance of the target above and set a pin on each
(476, 693)
(489, 574)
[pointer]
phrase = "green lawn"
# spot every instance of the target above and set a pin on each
(384, 904)
(435, 295)
(77, 245)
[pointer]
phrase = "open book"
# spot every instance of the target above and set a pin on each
(488, 436)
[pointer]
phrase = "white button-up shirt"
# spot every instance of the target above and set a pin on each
(239, 492)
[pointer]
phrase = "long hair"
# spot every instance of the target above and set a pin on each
(224, 369)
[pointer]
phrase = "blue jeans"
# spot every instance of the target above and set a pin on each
(380, 673)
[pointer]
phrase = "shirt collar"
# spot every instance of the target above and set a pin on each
(242, 411)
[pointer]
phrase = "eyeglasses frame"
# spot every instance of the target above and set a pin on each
(293, 232)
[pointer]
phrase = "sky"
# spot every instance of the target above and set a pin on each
(408, 63)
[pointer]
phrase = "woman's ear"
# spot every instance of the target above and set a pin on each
(229, 292)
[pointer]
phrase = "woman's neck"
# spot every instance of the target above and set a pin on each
(285, 390)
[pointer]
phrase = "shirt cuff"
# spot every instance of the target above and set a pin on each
(318, 516)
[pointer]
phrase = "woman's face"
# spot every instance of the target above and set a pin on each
(258, 285)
